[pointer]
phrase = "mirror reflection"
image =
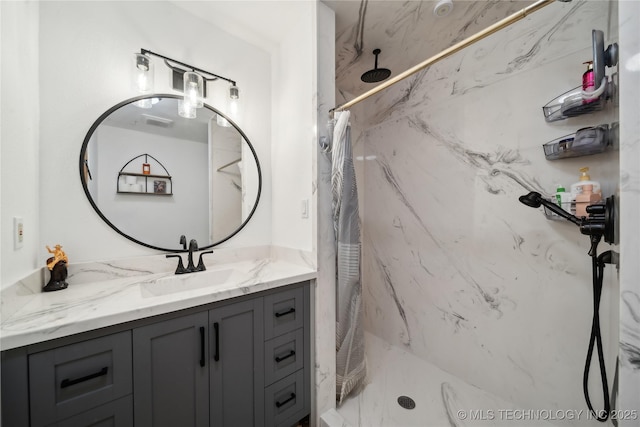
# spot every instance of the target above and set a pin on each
(154, 176)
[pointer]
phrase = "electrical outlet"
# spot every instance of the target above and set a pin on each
(18, 232)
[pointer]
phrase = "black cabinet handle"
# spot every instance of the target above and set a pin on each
(291, 397)
(202, 359)
(280, 359)
(68, 383)
(216, 328)
(284, 313)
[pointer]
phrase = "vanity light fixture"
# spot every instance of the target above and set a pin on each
(192, 81)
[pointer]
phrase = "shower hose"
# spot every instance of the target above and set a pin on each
(598, 264)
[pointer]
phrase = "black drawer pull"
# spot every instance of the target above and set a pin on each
(216, 328)
(202, 362)
(291, 397)
(280, 359)
(68, 383)
(284, 313)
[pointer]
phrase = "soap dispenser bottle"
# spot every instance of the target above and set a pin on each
(585, 179)
(584, 199)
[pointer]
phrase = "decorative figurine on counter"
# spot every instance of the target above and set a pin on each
(57, 264)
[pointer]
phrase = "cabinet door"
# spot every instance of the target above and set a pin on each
(237, 365)
(171, 383)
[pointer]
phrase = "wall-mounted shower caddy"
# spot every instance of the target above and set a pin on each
(601, 220)
(577, 101)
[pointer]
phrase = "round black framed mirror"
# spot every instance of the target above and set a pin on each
(154, 176)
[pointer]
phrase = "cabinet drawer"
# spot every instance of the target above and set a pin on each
(283, 312)
(118, 413)
(285, 400)
(68, 380)
(283, 356)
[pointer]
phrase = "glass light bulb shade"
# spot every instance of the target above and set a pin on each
(186, 109)
(233, 108)
(194, 89)
(234, 92)
(143, 74)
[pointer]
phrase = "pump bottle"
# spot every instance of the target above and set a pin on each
(585, 179)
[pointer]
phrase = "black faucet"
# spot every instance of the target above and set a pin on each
(193, 246)
(191, 268)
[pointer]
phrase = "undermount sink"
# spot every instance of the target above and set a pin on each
(185, 282)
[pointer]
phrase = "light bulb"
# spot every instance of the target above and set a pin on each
(232, 105)
(143, 80)
(186, 109)
(193, 88)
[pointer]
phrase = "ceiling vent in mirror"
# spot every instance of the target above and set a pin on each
(157, 121)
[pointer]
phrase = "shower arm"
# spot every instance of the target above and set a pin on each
(515, 17)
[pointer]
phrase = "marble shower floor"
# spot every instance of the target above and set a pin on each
(394, 372)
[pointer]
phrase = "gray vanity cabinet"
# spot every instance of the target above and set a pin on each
(170, 373)
(236, 363)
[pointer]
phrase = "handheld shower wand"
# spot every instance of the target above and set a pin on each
(600, 223)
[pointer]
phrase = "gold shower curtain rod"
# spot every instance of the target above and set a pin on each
(448, 52)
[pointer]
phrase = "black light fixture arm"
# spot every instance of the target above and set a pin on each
(191, 67)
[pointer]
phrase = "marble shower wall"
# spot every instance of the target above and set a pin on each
(455, 269)
(630, 199)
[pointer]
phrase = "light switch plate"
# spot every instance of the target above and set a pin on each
(18, 232)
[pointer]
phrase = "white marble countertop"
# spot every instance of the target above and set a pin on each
(109, 293)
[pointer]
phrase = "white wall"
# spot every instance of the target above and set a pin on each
(630, 206)
(226, 184)
(86, 51)
(294, 137)
(19, 101)
(155, 220)
(82, 52)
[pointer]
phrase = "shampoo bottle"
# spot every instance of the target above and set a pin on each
(563, 199)
(589, 81)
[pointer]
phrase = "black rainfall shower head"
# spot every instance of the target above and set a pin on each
(377, 74)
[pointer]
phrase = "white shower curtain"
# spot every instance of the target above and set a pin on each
(350, 359)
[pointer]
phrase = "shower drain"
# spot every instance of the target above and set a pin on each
(406, 402)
